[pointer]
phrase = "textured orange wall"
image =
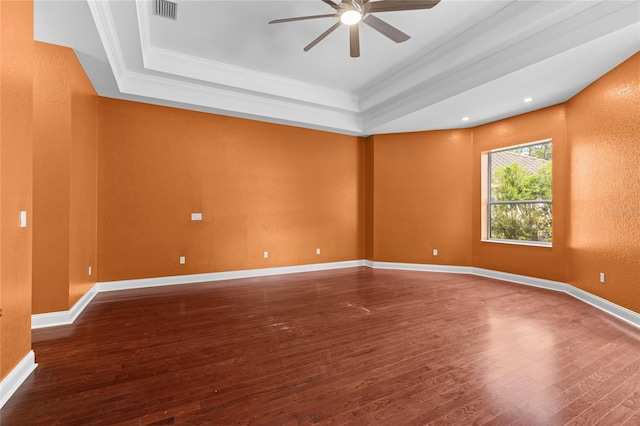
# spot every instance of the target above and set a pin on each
(51, 139)
(83, 191)
(604, 136)
(542, 262)
(259, 187)
(422, 197)
(369, 196)
(16, 69)
(65, 179)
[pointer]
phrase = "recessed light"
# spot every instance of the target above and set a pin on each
(528, 99)
(465, 118)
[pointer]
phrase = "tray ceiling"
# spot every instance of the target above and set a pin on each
(475, 59)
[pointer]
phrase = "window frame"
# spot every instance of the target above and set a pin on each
(487, 203)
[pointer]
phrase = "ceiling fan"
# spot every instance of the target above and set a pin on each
(352, 12)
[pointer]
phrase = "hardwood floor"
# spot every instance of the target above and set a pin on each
(354, 346)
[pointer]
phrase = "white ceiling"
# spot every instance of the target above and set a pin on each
(477, 59)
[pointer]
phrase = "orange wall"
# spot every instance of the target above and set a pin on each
(288, 190)
(368, 197)
(604, 233)
(541, 262)
(65, 179)
(51, 139)
(422, 197)
(427, 196)
(259, 187)
(16, 52)
(83, 191)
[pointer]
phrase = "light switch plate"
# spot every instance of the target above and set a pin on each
(196, 216)
(23, 219)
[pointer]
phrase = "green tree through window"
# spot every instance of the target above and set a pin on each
(520, 194)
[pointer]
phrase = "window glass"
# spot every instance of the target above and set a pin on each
(519, 199)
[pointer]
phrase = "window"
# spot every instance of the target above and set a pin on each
(517, 194)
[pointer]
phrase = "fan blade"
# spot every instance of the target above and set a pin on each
(397, 5)
(332, 4)
(302, 18)
(354, 40)
(385, 29)
(322, 36)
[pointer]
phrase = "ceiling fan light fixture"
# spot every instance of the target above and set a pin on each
(350, 17)
(352, 12)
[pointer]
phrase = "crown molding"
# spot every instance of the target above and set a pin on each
(439, 74)
(519, 36)
(236, 78)
(240, 104)
(103, 19)
(242, 80)
(335, 113)
(435, 61)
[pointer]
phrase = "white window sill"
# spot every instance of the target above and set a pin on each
(519, 243)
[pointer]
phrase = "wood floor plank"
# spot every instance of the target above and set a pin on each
(628, 392)
(354, 346)
(633, 420)
(599, 385)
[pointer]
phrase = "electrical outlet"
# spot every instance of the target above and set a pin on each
(265, 254)
(435, 252)
(317, 251)
(602, 277)
(183, 260)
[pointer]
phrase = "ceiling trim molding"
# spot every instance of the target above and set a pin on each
(234, 77)
(103, 18)
(444, 78)
(240, 104)
(515, 37)
(241, 79)
(444, 53)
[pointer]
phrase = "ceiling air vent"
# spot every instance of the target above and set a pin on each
(165, 9)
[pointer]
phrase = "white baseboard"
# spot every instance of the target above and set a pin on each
(610, 308)
(522, 279)
(220, 276)
(421, 267)
(52, 319)
(16, 377)
(68, 317)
